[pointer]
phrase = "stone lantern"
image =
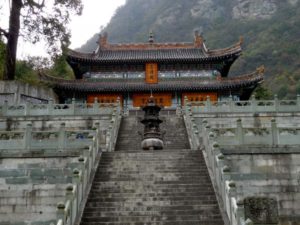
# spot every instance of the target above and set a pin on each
(152, 137)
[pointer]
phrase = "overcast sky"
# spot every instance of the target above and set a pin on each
(96, 13)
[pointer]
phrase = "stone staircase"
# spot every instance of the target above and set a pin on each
(170, 186)
(130, 140)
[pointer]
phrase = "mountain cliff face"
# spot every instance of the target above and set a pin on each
(270, 29)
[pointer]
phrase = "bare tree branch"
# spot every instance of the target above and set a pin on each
(32, 4)
(4, 32)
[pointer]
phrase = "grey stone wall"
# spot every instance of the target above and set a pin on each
(17, 92)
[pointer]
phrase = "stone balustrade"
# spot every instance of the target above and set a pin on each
(253, 165)
(47, 165)
(55, 139)
(31, 192)
(269, 136)
(68, 211)
(253, 106)
(51, 109)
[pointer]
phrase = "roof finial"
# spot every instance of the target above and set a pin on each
(151, 37)
(198, 39)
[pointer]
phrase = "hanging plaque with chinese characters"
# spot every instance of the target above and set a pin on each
(151, 73)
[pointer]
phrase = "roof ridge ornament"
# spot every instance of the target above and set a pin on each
(198, 39)
(151, 37)
(261, 69)
(103, 40)
(241, 41)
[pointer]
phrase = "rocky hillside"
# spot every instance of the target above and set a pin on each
(270, 29)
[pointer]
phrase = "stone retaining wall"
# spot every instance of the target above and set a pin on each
(17, 92)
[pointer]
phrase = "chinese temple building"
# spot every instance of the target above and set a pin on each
(170, 71)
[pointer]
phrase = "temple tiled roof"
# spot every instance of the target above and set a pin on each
(170, 84)
(152, 55)
(154, 52)
(143, 55)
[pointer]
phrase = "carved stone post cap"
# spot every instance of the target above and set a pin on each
(69, 188)
(81, 159)
(232, 184)
(240, 201)
(226, 169)
(248, 222)
(221, 156)
(76, 171)
(61, 206)
(215, 145)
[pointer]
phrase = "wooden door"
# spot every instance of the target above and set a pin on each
(161, 99)
(199, 97)
(104, 98)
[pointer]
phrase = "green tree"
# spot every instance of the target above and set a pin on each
(283, 91)
(39, 19)
(61, 68)
(263, 93)
(2, 55)
(25, 72)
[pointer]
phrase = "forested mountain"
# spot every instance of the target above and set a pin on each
(270, 29)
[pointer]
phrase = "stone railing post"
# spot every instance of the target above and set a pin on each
(203, 125)
(61, 136)
(225, 176)
(27, 136)
(276, 103)
(231, 192)
(61, 212)
(103, 137)
(96, 106)
(215, 151)
(208, 104)
(73, 106)
(248, 222)
(275, 133)
(194, 135)
(253, 104)
(231, 104)
(185, 105)
(108, 140)
(50, 106)
(178, 110)
(298, 101)
(240, 211)
(98, 133)
(16, 98)
(27, 108)
(77, 179)
(70, 196)
(219, 162)
(239, 132)
(5, 108)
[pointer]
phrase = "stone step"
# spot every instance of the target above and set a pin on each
(185, 222)
(138, 212)
(142, 173)
(146, 219)
(152, 200)
(190, 207)
(136, 187)
(132, 189)
(154, 180)
(199, 193)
